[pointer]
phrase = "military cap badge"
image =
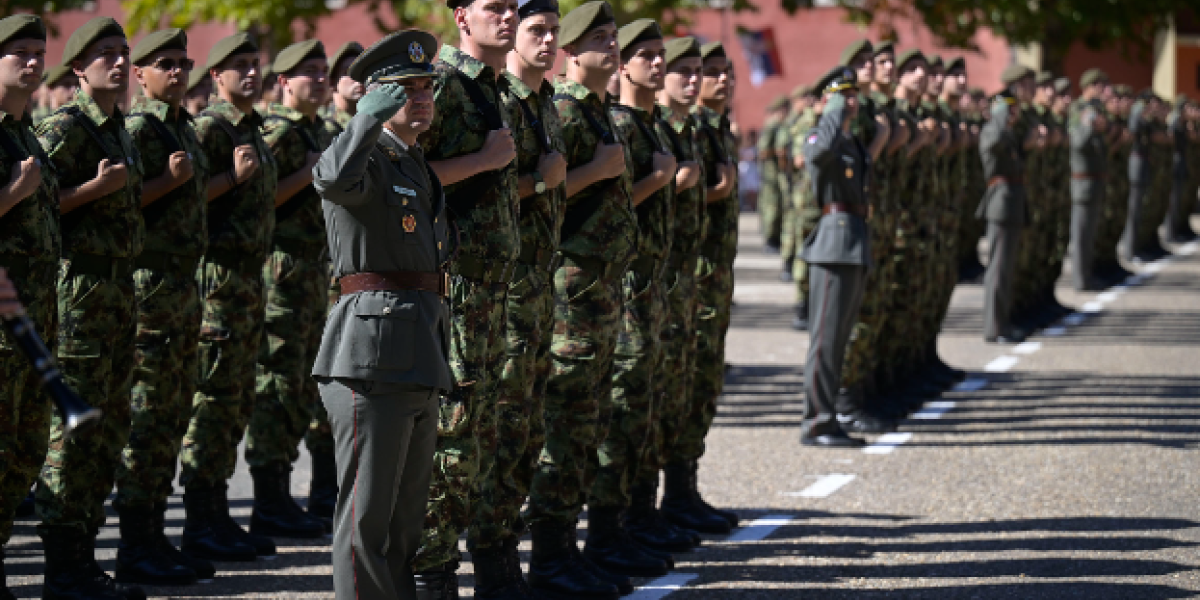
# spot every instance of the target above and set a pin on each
(416, 52)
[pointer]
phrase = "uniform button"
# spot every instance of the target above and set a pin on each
(439, 245)
(406, 202)
(435, 219)
(387, 310)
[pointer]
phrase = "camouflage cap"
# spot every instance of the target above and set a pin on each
(528, 8)
(838, 79)
(681, 47)
(96, 29)
(1015, 73)
(854, 49)
(935, 61)
(908, 56)
(638, 31)
(55, 74)
(348, 51)
(20, 27)
(712, 50)
(1091, 77)
(238, 43)
(289, 58)
(584, 19)
(398, 56)
(884, 47)
(1062, 85)
(164, 39)
(196, 78)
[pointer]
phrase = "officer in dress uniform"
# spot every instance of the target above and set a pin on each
(384, 354)
(1003, 207)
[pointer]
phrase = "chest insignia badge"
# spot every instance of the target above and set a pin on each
(410, 223)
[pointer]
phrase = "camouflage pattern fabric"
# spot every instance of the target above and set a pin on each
(803, 217)
(770, 197)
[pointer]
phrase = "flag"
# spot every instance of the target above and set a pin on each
(761, 53)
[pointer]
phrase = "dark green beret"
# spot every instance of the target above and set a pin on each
(956, 63)
(96, 29)
(712, 50)
(977, 92)
(1044, 78)
(1015, 73)
(838, 79)
(527, 8)
(681, 47)
(1123, 89)
(638, 31)
(584, 19)
(166, 39)
(884, 47)
(289, 58)
(1092, 76)
(268, 71)
(854, 49)
(935, 61)
(55, 74)
(349, 50)
(802, 90)
(1062, 85)
(21, 27)
(398, 56)
(908, 56)
(238, 43)
(196, 78)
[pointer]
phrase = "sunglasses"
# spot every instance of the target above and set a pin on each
(170, 64)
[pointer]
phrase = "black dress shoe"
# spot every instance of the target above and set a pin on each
(832, 440)
(866, 423)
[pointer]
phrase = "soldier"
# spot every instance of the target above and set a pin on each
(598, 241)
(297, 279)
(1175, 221)
(471, 148)
(174, 199)
(30, 246)
(1055, 201)
(346, 91)
(389, 240)
(1003, 206)
(496, 525)
(241, 220)
(100, 178)
(1088, 173)
(769, 196)
(682, 502)
(269, 92)
(59, 85)
(199, 89)
(797, 193)
(838, 253)
(1132, 246)
(639, 346)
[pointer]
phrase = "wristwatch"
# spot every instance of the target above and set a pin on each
(539, 186)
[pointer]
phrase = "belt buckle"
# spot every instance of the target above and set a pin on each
(446, 285)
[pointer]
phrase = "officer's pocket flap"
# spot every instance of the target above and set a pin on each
(385, 307)
(383, 337)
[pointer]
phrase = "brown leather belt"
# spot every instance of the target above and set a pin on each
(438, 283)
(852, 209)
(1000, 179)
(1083, 176)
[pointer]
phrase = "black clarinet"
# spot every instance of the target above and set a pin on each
(74, 411)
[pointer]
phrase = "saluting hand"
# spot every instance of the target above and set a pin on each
(610, 158)
(245, 162)
(498, 149)
(25, 179)
(110, 176)
(179, 165)
(553, 168)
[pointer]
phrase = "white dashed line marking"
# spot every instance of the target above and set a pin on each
(1110, 295)
(888, 442)
(661, 587)
(1055, 331)
(1001, 364)
(759, 528)
(824, 486)
(934, 410)
(1027, 348)
(1153, 267)
(1092, 307)
(1188, 248)
(973, 384)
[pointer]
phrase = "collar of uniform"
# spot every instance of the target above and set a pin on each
(393, 139)
(92, 110)
(158, 108)
(518, 87)
(707, 115)
(6, 116)
(677, 121)
(289, 113)
(231, 113)
(466, 64)
(569, 86)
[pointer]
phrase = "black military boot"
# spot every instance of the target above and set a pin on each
(263, 546)
(623, 583)
(204, 535)
(556, 568)
(800, 321)
(694, 483)
(69, 575)
(438, 584)
(275, 511)
(512, 562)
(204, 570)
(610, 547)
(785, 274)
(27, 506)
(648, 527)
(100, 576)
(680, 505)
(323, 492)
(139, 557)
(493, 576)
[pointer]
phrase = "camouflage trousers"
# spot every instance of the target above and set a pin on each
(24, 411)
(903, 305)
(1112, 223)
(796, 201)
(520, 428)
(230, 337)
(97, 317)
(806, 221)
(770, 207)
(638, 358)
(164, 383)
(467, 417)
(587, 317)
(863, 349)
(714, 306)
(286, 398)
(673, 386)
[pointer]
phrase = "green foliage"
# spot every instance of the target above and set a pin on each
(41, 8)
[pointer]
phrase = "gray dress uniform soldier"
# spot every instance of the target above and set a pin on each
(1174, 223)
(384, 353)
(1003, 207)
(838, 253)
(1139, 179)
(1089, 175)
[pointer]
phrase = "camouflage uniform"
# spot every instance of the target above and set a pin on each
(488, 223)
(520, 427)
(240, 226)
(1116, 199)
(971, 229)
(639, 343)
(770, 197)
(804, 212)
(169, 311)
(330, 112)
(30, 246)
(97, 313)
(599, 238)
(1025, 290)
(296, 275)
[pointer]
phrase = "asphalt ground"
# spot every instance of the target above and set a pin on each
(1063, 468)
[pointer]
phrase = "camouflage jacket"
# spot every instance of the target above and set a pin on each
(718, 146)
(656, 213)
(240, 221)
(541, 214)
(487, 217)
(111, 225)
(330, 112)
(176, 223)
(291, 135)
(40, 113)
(602, 214)
(690, 215)
(31, 227)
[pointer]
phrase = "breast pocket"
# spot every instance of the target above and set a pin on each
(403, 215)
(383, 332)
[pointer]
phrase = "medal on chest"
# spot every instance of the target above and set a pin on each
(410, 223)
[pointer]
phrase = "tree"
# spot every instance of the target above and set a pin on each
(1056, 25)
